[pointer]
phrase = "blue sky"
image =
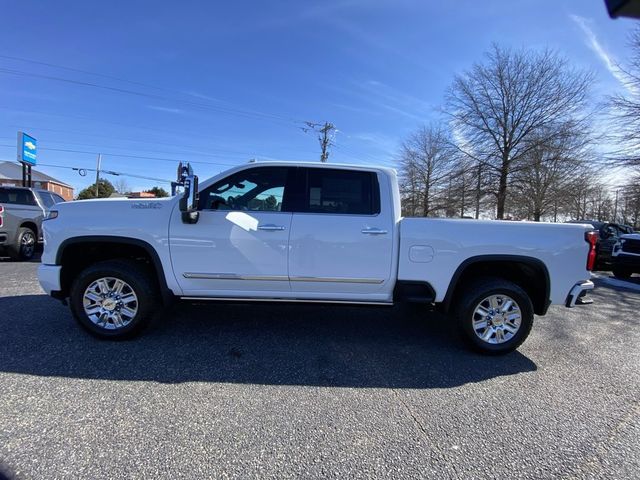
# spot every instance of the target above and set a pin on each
(223, 82)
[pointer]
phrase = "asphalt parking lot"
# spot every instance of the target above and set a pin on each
(255, 391)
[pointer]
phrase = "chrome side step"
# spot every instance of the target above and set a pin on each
(284, 300)
(577, 292)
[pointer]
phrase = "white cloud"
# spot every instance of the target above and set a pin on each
(460, 139)
(164, 109)
(594, 44)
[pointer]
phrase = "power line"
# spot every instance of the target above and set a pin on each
(134, 140)
(78, 70)
(111, 154)
(248, 113)
(183, 153)
(160, 159)
(146, 85)
(106, 172)
(225, 110)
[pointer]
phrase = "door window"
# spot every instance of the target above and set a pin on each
(259, 189)
(346, 192)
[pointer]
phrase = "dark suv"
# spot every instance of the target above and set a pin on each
(608, 235)
(21, 213)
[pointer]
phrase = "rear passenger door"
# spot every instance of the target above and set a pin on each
(342, 235)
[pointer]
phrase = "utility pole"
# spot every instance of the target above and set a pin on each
(615, 208)
(325, 136)
(98, 172)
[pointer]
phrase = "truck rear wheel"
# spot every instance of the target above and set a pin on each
(25, 247)
(494, 315)
(114, 299)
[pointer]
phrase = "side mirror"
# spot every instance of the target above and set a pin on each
(189, 200)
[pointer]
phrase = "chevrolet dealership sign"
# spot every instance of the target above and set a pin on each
(26, 149)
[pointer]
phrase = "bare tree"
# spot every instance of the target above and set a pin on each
(122, 186)
(426, 163)
(463, 196)
(630, 202)
(588, 197)
(544, 176)
(625, 109)
(500, 103)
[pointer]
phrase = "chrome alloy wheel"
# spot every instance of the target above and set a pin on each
(110, 303)
(27, 244)
(496, 319)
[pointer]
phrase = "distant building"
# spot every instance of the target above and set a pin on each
(11, 175)
(140, 195)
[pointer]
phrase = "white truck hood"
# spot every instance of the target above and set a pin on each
(143, 219)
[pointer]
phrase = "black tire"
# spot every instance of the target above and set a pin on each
(25, 247)
(137, 277)
(622, 273)
(465, 311)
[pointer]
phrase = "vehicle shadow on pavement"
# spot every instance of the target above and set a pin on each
(607, 279)
(359, 347)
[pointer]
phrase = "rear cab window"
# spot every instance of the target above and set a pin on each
(337, 191)
(17, 196)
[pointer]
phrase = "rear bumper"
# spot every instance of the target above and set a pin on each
(626, 260)
(578, 291)
(49, 278)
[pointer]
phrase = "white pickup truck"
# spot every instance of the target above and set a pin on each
(307, 232)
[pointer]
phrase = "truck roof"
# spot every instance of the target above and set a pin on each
(295, 163)
(310, 163)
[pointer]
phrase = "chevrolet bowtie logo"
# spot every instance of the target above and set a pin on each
(30, 145)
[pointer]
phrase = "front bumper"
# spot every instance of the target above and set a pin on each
(49, 278)
(578, 291)
(626, 261)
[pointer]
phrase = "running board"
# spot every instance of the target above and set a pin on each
(284, 300)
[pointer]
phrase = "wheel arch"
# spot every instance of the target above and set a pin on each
(530, 273)
(77, 253)
(33, 226)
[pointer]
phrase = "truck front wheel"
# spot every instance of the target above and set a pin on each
(622, 273)
(113, 299)
(494, 315)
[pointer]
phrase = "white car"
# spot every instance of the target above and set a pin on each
(308, 232)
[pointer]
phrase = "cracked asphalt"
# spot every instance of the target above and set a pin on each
(284, 391)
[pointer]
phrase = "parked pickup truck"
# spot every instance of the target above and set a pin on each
(308, 232)
(21, 212)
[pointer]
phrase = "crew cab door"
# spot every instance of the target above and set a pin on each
(342, 236)
(239, 245)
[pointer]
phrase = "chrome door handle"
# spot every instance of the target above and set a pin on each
(270, 227)
(374, 231)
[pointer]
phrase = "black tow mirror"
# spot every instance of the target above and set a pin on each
(609, 232)
(189, 200)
